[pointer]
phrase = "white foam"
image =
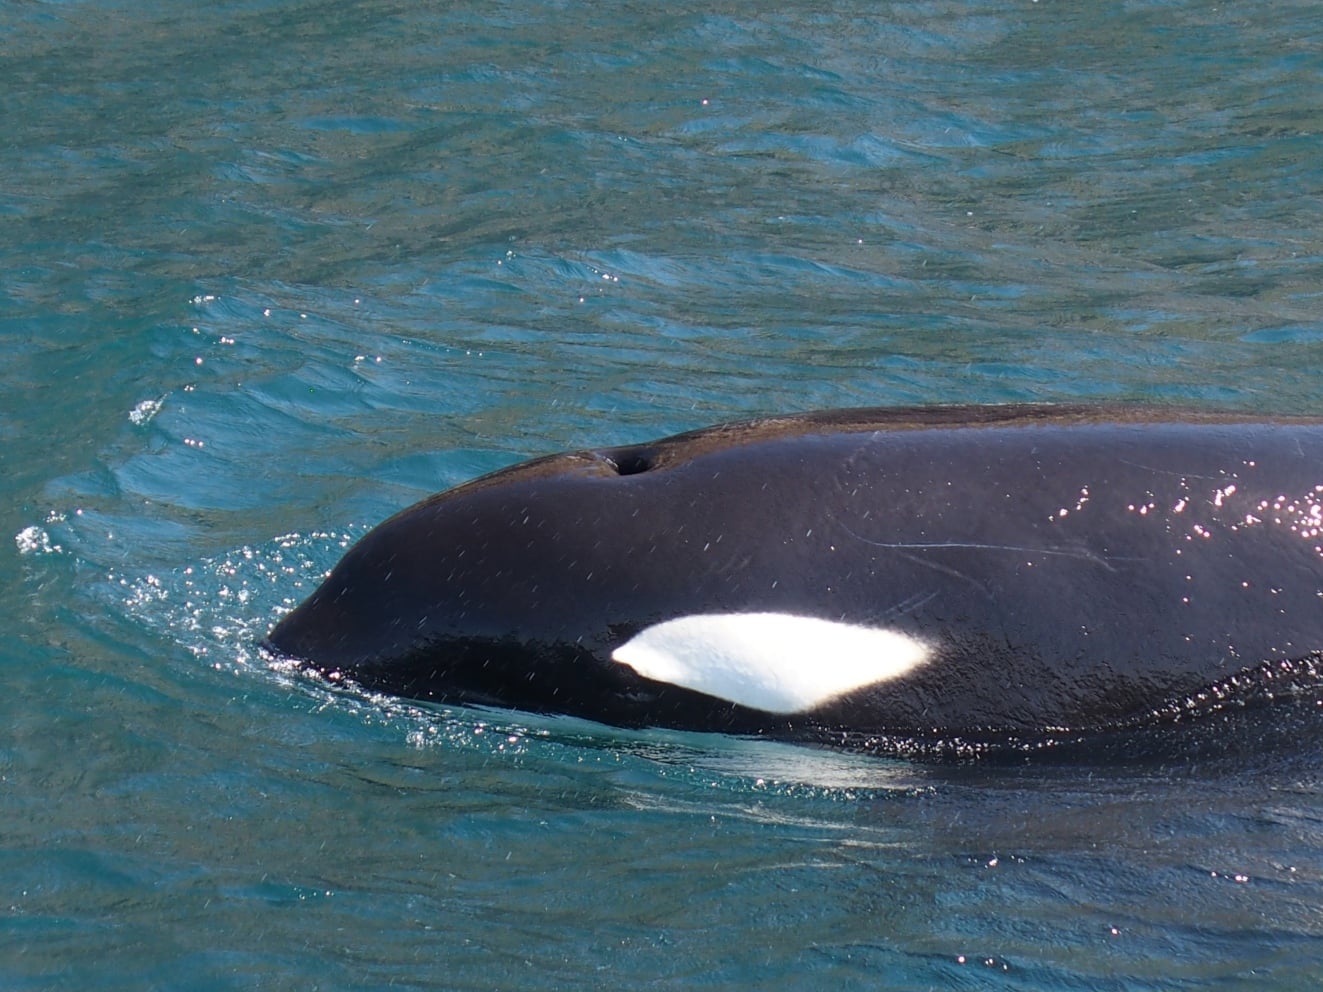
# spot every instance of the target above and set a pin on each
(35, 540)
(775, 662)
(145, 411)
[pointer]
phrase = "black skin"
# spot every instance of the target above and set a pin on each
(1186, 569)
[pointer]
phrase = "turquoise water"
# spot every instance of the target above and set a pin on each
(272, 270)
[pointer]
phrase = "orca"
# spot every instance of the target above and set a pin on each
(980, 574)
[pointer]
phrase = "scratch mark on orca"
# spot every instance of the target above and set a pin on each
(909, 605)
(1172, 472)
(900, 546)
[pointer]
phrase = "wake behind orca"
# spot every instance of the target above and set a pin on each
(878, 578)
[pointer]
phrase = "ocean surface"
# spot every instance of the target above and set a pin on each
(271, 270)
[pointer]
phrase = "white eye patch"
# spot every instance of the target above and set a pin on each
(775, 662)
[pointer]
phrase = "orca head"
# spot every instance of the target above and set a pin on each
(475, 590)
(578, 584)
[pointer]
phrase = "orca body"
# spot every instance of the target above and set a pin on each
(983, 574)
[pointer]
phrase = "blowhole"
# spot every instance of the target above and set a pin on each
(631, 461)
